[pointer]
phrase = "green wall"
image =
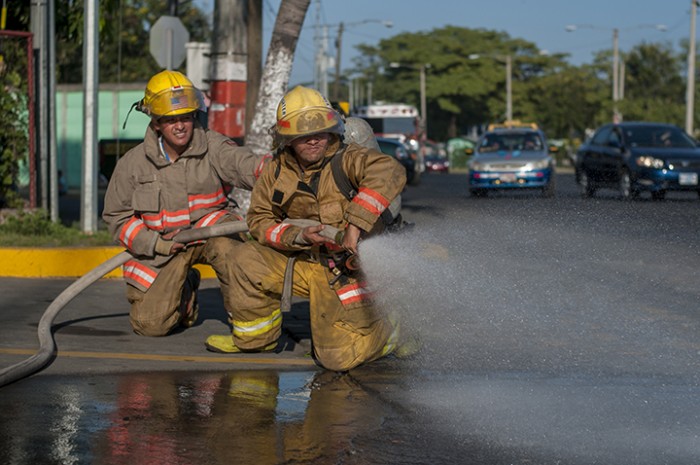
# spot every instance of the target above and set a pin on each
(113, 105)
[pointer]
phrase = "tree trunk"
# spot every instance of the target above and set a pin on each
(278, 67)
(274, 82)
(452, 127)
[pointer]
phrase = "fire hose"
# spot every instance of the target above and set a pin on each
(47, 344)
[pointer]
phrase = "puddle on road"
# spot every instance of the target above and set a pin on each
(260, 417)
(375, 416)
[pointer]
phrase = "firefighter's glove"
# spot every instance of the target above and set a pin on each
(164, 246)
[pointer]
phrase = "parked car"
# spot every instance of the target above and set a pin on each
(634, 157)
(437, 164)
(417, 154)
(511, 157)
(398, 150)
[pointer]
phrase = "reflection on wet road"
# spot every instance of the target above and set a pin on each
(260, 417)
(383, 415)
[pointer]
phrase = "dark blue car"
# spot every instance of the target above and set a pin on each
(634, 157)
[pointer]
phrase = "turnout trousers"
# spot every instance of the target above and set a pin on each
(344, 333)
(158, 310)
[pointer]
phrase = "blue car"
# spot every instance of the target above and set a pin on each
(511, 157)
(636, 157)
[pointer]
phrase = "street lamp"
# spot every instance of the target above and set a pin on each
(423, 104)
(508, 60)
(339, 45)
(617, 117)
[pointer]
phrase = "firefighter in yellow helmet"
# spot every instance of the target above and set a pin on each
(299, 184)
(177, 178)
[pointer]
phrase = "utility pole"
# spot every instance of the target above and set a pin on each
(690, 90)
(88, 196)
(319, 57)
(423, 104)
(616, 76)
(509, 88)
(508, 61)
(229, 69)
(323, 84)
(39, 21)
(254, 61)
(43, 30)
(338, 48)
(51, 109)
(617, 84)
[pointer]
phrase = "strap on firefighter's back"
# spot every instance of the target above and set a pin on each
(391, 223)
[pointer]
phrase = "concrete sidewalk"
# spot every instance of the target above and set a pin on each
(93, 334)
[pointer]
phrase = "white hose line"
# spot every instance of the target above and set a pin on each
(47, 345)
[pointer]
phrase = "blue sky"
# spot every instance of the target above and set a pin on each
(542, 22)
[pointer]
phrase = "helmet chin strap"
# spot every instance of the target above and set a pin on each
(139, 107)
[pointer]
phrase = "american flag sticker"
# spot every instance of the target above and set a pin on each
(178, 102)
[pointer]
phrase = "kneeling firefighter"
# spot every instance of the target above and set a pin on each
(176, 179)
(305, 182)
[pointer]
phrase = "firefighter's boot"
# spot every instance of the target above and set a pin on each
(223, 344)
(409, 347)
(189, 306)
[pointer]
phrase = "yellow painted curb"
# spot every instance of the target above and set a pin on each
(63, 262)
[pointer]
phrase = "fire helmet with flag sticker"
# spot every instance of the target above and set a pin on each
(171, 93)
(303, 112)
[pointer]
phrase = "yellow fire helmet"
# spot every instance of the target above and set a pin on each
(171, 93)
(303, 112)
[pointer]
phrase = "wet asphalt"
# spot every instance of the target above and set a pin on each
(555, 331)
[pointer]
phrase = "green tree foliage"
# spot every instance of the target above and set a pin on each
(124, 27)
(462, 90)
(565, 100)
(14, 137)
(654, 88)
(17, 16)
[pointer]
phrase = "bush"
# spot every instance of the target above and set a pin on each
(14, 119)
(35, 229)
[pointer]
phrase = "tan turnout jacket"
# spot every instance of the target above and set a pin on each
(284, 191)
(149, 196)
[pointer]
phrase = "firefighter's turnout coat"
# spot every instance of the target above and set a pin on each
(149, 196)
(346, 328)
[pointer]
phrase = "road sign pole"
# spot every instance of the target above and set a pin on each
(169, 48)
